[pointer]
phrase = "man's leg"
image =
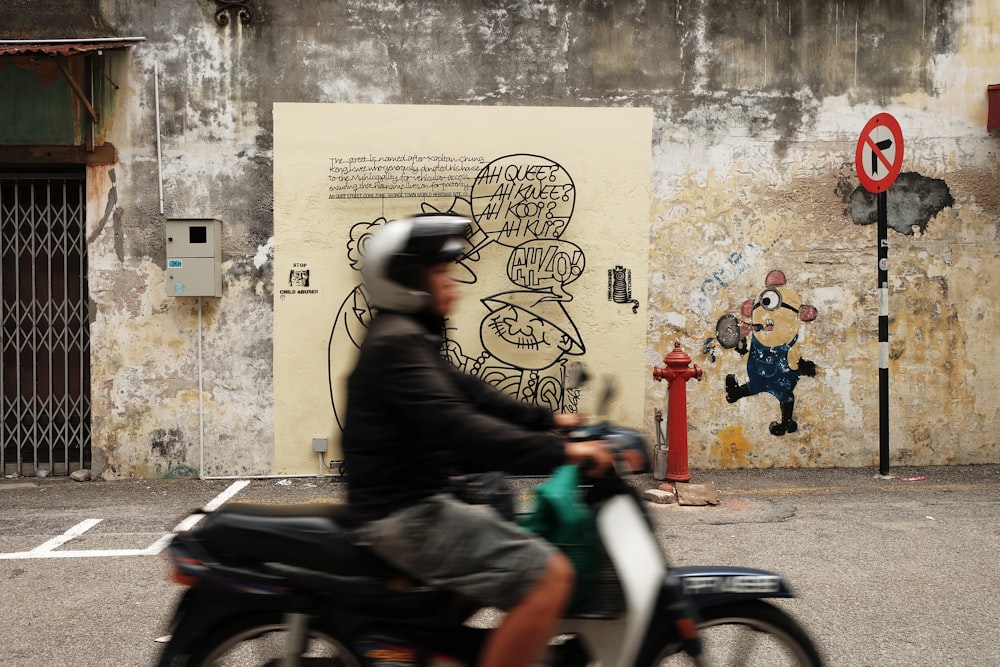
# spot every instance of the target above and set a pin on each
(476, 553)
(528, 626)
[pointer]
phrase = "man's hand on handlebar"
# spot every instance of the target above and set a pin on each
(593, 456)
(568, 420)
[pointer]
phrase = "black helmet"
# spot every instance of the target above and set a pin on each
(397, 255)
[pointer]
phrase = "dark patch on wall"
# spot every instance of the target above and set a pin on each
(180, 472)
(911, 202)
(53, 19)
(119, 234)
(587, 52)
(168, 445)
(620, 46)
(870, 50)
(712, 59)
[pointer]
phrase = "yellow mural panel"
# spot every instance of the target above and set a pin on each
(559, 199)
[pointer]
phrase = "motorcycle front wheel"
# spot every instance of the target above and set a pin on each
(263, 641)
(748, 634)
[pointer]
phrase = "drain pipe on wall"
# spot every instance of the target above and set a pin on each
(159, 154)
(201, 403)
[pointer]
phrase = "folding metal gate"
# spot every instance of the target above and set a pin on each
(45, 335)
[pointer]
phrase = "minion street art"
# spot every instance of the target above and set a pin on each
(775, 361)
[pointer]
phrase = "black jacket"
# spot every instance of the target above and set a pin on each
(412, 419)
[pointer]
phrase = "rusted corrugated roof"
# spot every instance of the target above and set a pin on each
(64, 47)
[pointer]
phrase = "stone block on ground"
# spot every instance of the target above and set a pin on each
(697, 494)
(659, 496)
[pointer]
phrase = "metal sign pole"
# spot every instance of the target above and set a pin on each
(883, 331)
(878, 158)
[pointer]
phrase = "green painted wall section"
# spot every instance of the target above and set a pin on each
(36, 104)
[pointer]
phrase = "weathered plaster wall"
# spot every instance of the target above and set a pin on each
(761, 201)
(758, 108)
(161, 405)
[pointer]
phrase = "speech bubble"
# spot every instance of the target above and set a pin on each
(545, 263)
(523, 197)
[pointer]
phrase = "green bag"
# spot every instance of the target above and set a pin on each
(562, 518)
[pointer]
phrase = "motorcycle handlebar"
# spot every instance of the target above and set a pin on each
(627, 445)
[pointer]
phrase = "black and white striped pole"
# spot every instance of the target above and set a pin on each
(878, 158)
(882, 293)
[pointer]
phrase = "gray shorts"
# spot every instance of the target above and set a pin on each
(468, 549)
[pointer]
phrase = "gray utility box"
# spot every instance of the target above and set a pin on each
(194, 257)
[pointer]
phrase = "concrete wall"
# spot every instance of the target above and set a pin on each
(758, 108)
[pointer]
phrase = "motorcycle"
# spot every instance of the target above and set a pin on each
(283, 586)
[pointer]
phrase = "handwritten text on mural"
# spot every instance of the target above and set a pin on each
(404, 175)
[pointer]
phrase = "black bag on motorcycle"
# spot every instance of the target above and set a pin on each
(485, 488)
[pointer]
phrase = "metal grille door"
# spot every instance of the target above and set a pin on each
(45, 335)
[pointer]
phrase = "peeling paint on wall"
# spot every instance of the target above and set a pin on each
(912, 202)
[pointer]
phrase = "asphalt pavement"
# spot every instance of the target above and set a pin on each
(899, 571)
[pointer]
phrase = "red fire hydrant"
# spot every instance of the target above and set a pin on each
(677, 368)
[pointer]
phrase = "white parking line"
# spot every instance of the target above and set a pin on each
(48, 549)
(56, 542)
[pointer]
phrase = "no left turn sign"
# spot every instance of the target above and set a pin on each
(879, 154)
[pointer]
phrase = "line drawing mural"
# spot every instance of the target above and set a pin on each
(775, 363)
(523, 203)
(550, 215)
(355, 312)
(526, 337)
(521, 197)
(353, 317)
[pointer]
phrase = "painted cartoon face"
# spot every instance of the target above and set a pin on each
(522, 339)
(776, 316)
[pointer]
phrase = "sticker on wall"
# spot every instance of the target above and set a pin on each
(298, 281)
(620, 287)
(767, 330)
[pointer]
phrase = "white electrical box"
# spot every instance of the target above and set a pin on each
(194, 257)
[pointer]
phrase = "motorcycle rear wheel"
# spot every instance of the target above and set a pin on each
(748, 634)
(261, 642)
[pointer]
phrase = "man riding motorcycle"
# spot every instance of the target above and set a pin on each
(413, 419)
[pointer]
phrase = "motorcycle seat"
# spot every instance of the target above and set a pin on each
(311, 536)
